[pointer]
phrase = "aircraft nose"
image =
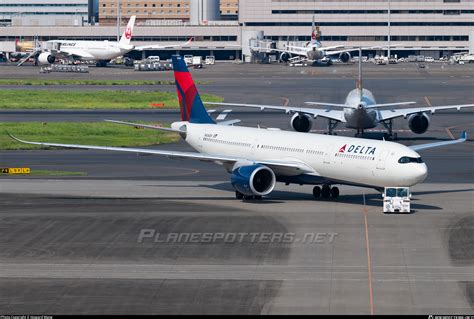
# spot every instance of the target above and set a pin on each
(422, 173)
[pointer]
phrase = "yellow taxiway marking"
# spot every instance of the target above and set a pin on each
(15, 170)
(448, 129)
(287, 101)
(369, 264)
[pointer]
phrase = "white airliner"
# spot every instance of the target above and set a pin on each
(258, 158)
(100, 51)
(360, 111)
(314, 51)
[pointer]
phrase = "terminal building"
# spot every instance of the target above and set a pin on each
(31, 13)
(427, 27)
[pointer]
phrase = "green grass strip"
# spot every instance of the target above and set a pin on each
(86, 133)
(108, 99)
(45, 172)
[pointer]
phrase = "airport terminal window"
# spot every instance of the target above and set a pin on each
(406, 159)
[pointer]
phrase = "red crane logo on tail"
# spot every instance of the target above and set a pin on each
(128, 33)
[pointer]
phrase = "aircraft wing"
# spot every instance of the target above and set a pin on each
(75, 53)
(391, 114)
(352, 49)
(158, 46)
(333, 47)
(419, 147)
(329, 114)
(292, 166)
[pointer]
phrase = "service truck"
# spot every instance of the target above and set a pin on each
(396, 200)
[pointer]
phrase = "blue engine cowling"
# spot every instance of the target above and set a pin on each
(253, 180)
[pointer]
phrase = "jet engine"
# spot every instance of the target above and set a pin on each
(419, 123)
(301, 122)
(345, 57)
(285, 57)
(253, 180)
(46, 58)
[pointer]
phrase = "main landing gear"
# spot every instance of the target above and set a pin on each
(325, 192)
(390, 135)
(240, 196)
(359, 133)
(332, 124)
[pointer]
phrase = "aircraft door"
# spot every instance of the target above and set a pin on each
(328, 154)
(381, 160)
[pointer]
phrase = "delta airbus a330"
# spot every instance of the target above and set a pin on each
(257, 158)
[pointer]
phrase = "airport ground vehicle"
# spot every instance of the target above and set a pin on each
(429, 59)
(188, 59)
(197, 62)
(396, 200)
(210, 60)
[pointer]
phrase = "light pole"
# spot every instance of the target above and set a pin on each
(118, 19)
(389, 29)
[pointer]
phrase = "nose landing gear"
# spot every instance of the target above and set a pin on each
(326, 192)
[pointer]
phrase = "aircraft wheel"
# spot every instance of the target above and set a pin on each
(316, 191)
(239, 195)
(395, 136)
(248, 197)
(326, 192)
(335, 192)
(257, 197)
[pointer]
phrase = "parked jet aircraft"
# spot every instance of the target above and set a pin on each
(360, 111)
(100, 51)
(258, 158)
(313, 51)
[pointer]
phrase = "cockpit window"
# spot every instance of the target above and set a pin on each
(406, 159)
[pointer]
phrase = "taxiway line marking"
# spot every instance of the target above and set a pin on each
(287, 101)
(448, 129)
(369, 265)
(427, 100)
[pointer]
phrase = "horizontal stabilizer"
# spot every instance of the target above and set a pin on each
(229, 122)
(374, 106)
(342, 106)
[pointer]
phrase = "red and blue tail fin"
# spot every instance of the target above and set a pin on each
(190, 103)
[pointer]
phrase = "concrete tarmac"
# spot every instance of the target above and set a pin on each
(74, 247)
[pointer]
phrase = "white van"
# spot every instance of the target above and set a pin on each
(396, 200)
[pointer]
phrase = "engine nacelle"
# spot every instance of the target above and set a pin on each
(419, 123)
(46, 58)
(345, 57)
(285, 57)
(301, 122)
(253, 180)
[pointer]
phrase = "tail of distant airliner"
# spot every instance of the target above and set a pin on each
(190, 103)
(127, 34)
(315, 33)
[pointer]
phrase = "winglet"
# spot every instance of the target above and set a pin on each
(15, 138)
(463, 136)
